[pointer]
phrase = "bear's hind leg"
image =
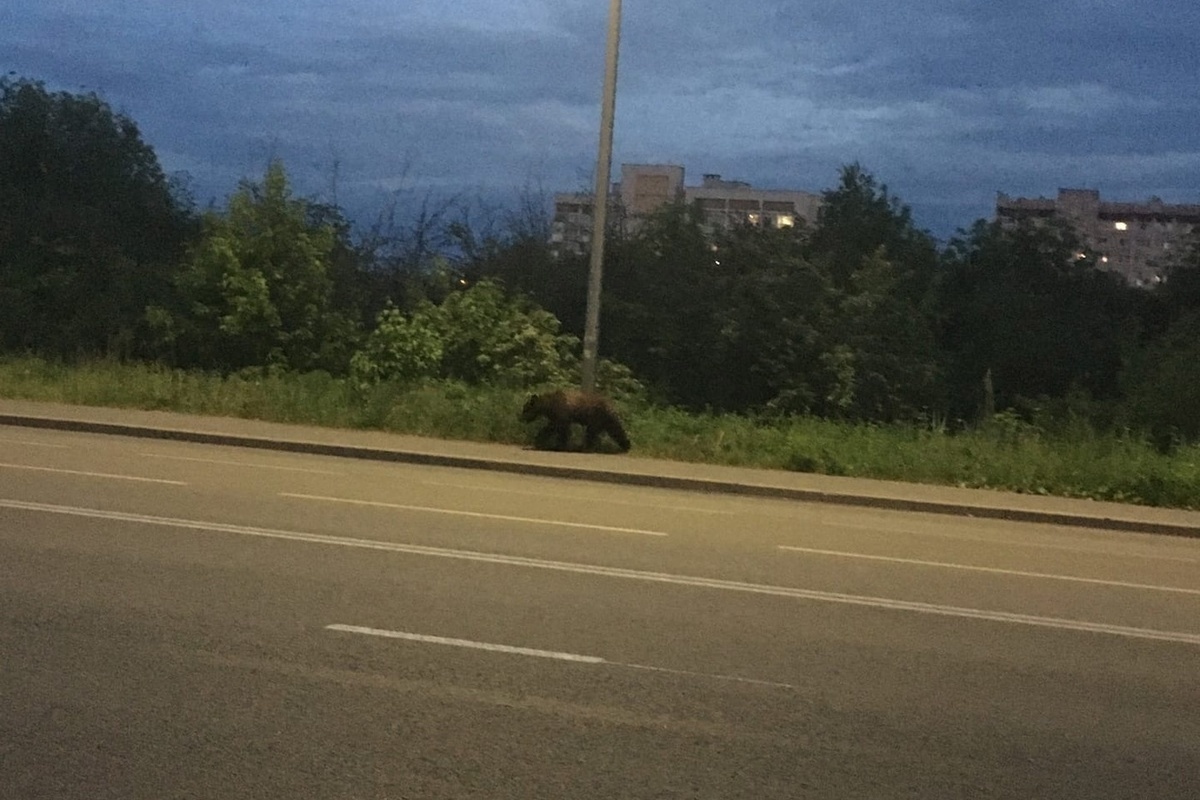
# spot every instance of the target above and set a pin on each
(618, 435)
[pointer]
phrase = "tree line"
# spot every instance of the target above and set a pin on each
(862, 316)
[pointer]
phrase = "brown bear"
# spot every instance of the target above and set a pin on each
(563, 407)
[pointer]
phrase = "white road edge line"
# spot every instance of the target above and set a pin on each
(551, 654)
(93, 474)
(232, 463)
(993, 570)
(475, 514)
(619, 572)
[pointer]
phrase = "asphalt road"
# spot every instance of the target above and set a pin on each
(188, 621)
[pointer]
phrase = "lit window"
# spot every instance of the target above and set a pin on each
(754, 219)
(1121, 226)
(785, 221)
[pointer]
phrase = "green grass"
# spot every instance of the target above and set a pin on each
(1005, 454)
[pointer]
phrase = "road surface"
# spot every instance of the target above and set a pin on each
(189, 621)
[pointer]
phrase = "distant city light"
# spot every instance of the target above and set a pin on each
(1122, 226)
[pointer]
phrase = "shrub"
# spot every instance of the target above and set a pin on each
(477, 336)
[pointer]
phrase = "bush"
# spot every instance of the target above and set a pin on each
(477, 336)
(399, 348)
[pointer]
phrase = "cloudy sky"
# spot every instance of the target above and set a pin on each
(945, 101)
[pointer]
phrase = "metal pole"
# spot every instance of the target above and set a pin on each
(591, 332)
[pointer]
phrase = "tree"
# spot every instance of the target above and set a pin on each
(729, 320)
(1023, 303)
(882, 362)
(774, 307)
(355, 286)
(663, 291)
(90, 227)
(256, 290)
(879, 361)
(858, 219)
(1160, 380)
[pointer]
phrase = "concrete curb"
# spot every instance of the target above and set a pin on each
(609, 476)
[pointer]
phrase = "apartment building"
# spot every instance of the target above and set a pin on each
(1133, 239)
(644, 188)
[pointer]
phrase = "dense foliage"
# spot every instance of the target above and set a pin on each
(255, 288)
(90, 227)
(861, 317)
(479, 335)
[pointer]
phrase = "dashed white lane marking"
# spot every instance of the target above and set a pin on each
(495, 648)
(105, 475)
(551, 654)
(959, 536)
(476, 514)
(619, 572)
(31, 443)
(232, 463)
(605, 500)
(994, 570)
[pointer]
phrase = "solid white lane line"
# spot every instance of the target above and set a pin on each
(476, 514)
(616, 572)
(105, 475)
(242, 464)
(993, 570)
(552, 654)
(605, 500)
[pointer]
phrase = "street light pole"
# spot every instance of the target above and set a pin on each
(591, 331)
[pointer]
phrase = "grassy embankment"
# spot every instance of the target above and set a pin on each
(1076, 462)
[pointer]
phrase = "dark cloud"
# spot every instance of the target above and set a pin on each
(947, 101)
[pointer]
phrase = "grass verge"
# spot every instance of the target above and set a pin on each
(1006, 454)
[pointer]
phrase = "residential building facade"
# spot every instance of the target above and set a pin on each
(1135, 240)
(645, 188)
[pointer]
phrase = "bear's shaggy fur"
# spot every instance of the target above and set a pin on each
(563, 407)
